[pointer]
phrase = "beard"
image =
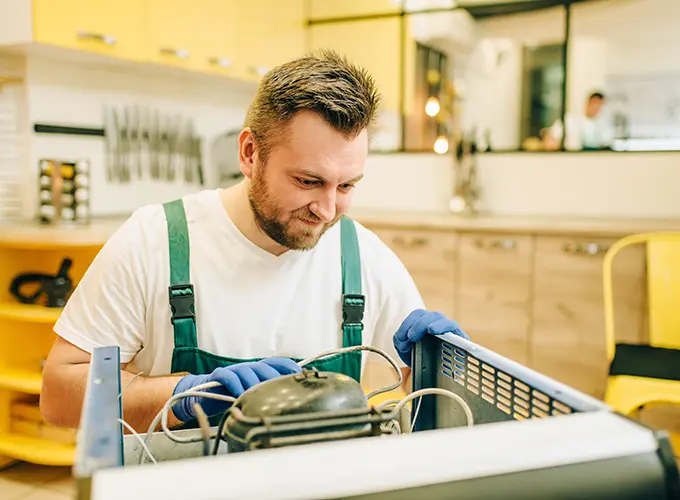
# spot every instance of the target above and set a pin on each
(289, 232)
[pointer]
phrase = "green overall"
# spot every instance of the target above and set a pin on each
(187, 356)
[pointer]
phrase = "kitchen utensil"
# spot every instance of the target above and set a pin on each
(53, 290)
(63, 191)
(190, 162)
(198, 155)
(110, 146)
(121, 146)
(224, 157)
(135, 141)
(154, 145)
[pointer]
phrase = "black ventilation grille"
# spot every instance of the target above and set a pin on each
(497, 388)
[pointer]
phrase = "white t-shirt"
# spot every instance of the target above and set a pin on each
(249, 303)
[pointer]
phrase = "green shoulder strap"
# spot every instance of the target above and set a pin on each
(181, 291)
(353, 301)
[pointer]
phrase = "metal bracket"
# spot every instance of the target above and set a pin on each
(100, 440)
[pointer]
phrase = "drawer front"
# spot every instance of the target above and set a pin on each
(494, 295)
(568, 341)
(430, 258)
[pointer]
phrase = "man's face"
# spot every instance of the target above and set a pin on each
(594, 106)
(306, 185)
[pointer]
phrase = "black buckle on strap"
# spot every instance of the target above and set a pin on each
(182, 302)
(353, 309)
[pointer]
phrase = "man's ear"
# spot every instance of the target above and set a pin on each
(246, 152)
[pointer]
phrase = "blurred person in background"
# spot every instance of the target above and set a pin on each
(588, 132)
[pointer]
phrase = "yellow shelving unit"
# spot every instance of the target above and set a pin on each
(28, 312)
(26, 335)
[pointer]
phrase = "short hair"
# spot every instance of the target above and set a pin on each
(596, 95)
(344, 94)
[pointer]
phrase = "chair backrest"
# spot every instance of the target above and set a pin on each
(663, 285)
(663, 288)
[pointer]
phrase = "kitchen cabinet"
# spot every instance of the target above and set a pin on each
(118, 29)
(221, 40)
(324, 9)
(241, 40)
(229, 37)
(175, 32)
(531, 294)
(494, 293)
(429, 256)
(568, 341)
(374, 44)
(27, 335)
(277, 33)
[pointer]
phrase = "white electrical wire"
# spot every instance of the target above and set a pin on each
(139, 438)
(129, 384)
(415, 415)
(332, 352)
(177, 397)
(441, 392)
(162, 415)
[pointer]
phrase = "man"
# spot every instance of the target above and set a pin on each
(235, 285)
(589, 132)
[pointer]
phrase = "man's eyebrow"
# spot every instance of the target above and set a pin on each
(317, 177)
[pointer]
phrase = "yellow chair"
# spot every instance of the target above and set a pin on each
(643, 374)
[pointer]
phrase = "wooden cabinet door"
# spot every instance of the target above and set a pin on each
(494, 292)
(429, 257)
(118, 29)
(568, 341)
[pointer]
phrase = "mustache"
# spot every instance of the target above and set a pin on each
(306, 214)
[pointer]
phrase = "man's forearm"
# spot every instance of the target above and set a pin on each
(64, 390)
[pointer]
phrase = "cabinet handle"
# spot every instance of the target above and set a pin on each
(258, 70)
(220, 61)
(178, 53)
(107, 39)
(591, 249)
(412, 242)
(505, 244)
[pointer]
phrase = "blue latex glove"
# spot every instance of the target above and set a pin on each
(419, 323)
(235, 380)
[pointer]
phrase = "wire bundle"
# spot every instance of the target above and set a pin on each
(397, 405)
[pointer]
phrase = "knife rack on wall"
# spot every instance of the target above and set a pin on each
(141, 143)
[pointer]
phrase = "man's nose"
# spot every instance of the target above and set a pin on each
(324, 206)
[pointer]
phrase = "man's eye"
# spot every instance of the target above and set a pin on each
(347, 187)
(307, 182)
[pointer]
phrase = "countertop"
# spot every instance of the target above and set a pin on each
(27, 234)
(24, 234)
(593, 226)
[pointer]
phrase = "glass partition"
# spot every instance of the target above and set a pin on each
(523, 75)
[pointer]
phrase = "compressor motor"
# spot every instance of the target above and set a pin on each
(302, 408)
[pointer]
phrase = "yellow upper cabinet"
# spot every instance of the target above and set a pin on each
(321, 9)
(228, 37)
(374, 44)
(233, 38)
(220, 37)
(274, 33)
(117, 28)
(177, 30)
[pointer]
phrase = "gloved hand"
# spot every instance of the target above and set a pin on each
(419, 323)
(235, 380)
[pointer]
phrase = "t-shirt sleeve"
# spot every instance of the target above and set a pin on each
(397, 293)
(107, 307)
